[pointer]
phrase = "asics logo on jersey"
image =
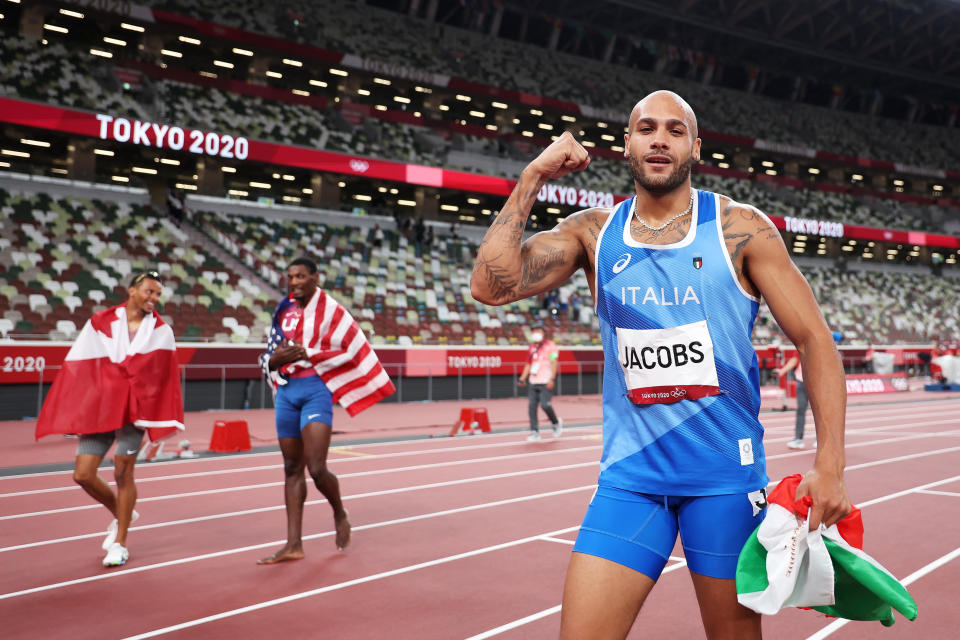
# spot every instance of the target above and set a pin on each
(622, 263)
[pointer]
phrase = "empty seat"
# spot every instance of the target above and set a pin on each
(67, 328)
(73, 303)
(35, 300)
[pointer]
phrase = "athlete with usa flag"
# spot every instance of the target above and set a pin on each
(316, 355)
(677, 275)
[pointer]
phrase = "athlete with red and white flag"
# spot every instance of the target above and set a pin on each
(316, 355)
(120, 378)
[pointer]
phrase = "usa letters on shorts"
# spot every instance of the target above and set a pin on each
(668, 365)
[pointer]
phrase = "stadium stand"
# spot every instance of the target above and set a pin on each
(508, 65)
(223, 266)
(72, 256)
(53, 279)
(52, 73)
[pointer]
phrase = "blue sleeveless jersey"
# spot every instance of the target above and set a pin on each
(669, 314)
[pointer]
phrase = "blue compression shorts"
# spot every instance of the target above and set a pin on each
(639, 530)
(300, 401)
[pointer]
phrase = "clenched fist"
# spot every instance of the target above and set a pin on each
(564, 155)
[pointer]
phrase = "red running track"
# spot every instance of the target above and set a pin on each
(453, 538)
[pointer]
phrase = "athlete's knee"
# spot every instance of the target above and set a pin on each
(84, 477)
(317, 469)
(292, 468)
(123, 473)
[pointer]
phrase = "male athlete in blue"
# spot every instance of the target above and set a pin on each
(304, 416)
(677, 275)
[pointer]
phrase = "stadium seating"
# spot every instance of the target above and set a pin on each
(396, 296)
(51, 73)
(506, 64)
(75, 256)
(54, 74)
(64, 257)
(72, 256)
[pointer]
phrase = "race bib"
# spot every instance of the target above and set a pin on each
(668, 365)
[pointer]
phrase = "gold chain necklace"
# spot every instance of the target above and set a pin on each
(652, 228)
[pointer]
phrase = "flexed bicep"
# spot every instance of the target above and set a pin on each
(546, 260)
(508, 268)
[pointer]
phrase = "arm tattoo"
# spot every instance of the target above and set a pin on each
(535, 268)
(499, 281)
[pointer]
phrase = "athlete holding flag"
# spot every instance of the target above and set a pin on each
(316, 355)
(677, 275)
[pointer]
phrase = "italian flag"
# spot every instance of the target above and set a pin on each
(784, 564)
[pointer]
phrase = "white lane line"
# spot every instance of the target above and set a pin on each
(514, 440)
(355, 474)
(343, 585)
(462, 481)
(560, 540)
(206, 492)
(952, 494)
(905, 492)
(552, 610)
(910, 579)
(274, 543)
(467, 461)
(533, 617)
(383, 492)
(884, 415)
(794, 454)
(862, 412)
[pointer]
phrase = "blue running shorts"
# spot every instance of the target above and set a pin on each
(300, 401)
(639, 530)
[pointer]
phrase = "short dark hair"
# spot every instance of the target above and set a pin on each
(138, 278)
(306, 262)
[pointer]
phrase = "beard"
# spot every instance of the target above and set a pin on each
(660, 184)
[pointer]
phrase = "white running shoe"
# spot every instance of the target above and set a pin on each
(795, 444)
(112, 531)
(534, 436)
(117, 555)
(558, 428)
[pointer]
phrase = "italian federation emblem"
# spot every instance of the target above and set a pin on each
(697, 262)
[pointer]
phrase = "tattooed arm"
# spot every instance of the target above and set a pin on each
(764, 267)
(508, 269)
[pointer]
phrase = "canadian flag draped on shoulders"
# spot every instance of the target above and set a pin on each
(109, 380)
(337, 350)
(784, 564)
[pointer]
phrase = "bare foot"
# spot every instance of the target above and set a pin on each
(343, 530)
(286, 554)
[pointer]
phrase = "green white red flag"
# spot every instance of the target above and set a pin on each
(784, 564)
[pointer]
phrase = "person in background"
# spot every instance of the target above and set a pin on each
(793, 364)
(543, 364)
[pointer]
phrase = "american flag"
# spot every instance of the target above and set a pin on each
(274, 340)
(337, 350)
